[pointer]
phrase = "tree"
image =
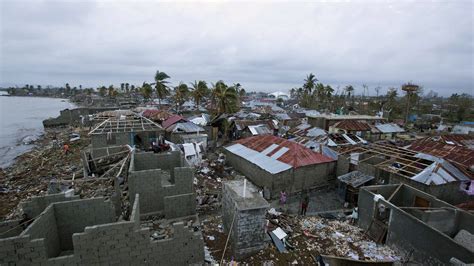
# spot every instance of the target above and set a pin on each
(161, 86)
(377, 90)
(224, 98)
(199, 90)
(111, 91)
(310, 82)
(102, 91)
(180, 95)
(122, 87)
(461, 104)
(146, 90)
(127, 89)
(349, 90)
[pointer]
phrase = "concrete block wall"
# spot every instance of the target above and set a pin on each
(164, 182)
(148, 184)
(430, 242)
(124, 243)
(35, 205)
(45, 227)
(179, 205)
(72, 217)
(248, 229)
(10, 228)
(149, 160)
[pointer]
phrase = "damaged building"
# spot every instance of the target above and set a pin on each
(87, 231)
(277, 164)
(426, 229)
(136, 131)
(393, 165)
(164, 182)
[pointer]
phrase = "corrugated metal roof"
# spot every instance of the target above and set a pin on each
(268, 164)
(389, 128)
(355, 179)
(352, 125)
(172, 120)
(188, 127)
(259, 130)
(315, 131)
(462, 157)
(296, 156)
(440, 172)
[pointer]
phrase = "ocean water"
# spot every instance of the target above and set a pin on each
(21, 117)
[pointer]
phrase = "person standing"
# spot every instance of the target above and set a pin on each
(304, 205)
(283, 197)
(66, 149)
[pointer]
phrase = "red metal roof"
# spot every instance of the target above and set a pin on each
(462, 157)
(172, 120)
(352, 125)
(296, 156)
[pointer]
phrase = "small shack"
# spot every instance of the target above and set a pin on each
(348, 185)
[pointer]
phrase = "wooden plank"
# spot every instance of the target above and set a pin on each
(395, 192)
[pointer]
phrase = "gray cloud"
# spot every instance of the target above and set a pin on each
(264, 46)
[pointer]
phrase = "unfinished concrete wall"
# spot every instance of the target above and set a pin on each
(429, 245)
(123, 138)
(10, 228)
(342, 166)
(425, 234)
(244, 217)
(164, 186)
(113, 243)
(45, 227)
(165, 160)
(449, 192)
(72, 217)
(35, 205)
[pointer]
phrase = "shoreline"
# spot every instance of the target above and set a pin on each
(31, 172)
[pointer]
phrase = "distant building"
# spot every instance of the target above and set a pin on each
(325, 121)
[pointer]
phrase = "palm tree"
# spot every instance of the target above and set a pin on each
(146, 90)
(349, 89)
(199, 91)
(181, 93)
(310, 82)
(161, 86)
(127, 89)
(224, 98)
(328, 91)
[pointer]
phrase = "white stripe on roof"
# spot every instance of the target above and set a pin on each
(268, 164)
(280, 152)
(270, 149)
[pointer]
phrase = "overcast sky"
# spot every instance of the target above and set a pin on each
(264, 46)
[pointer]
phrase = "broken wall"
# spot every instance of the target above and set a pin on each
(449, 192)
(428, 236)
(122, 242)
(163, 185)
(35, 205)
